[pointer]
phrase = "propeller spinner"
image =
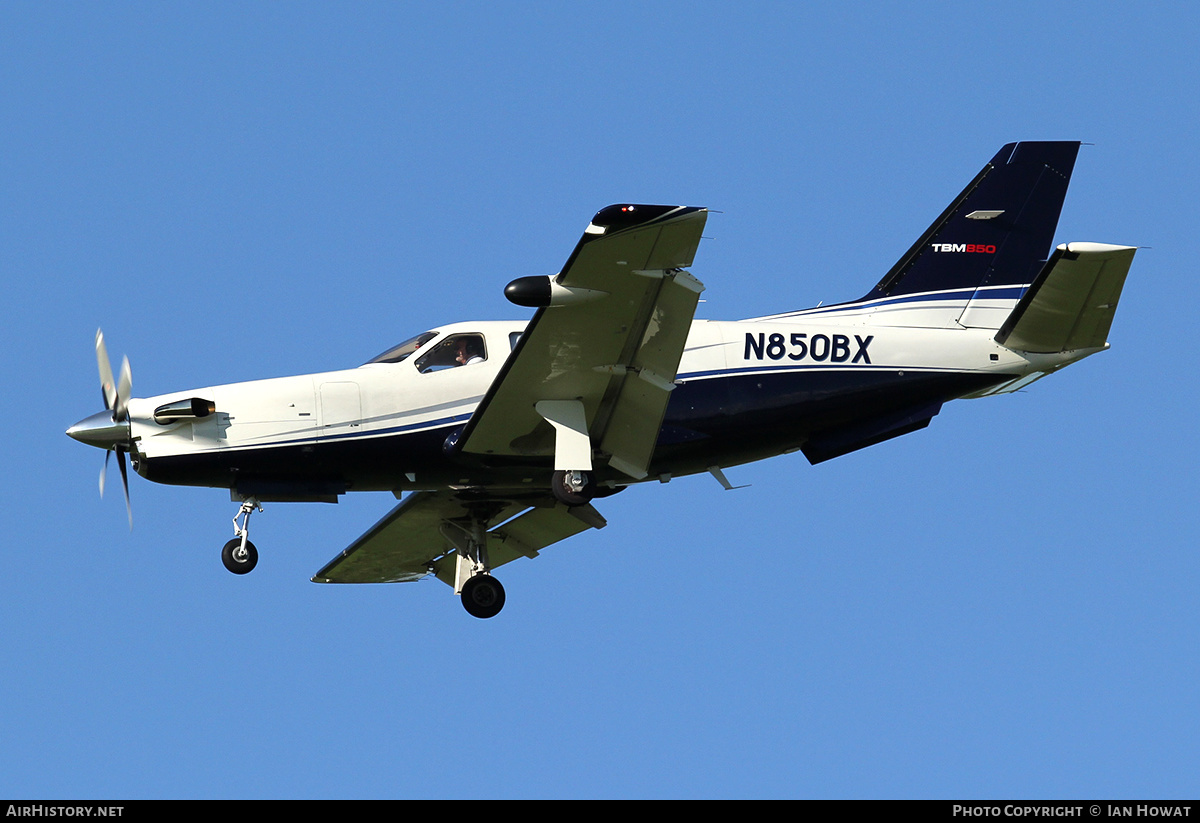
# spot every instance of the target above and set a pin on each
(109, 429)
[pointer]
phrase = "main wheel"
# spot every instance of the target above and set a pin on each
(236, 560)
(564, 490)
(483, 596)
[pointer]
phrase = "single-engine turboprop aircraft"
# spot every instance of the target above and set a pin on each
(504, 433)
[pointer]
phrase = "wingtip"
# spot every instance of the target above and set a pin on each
(627, 215)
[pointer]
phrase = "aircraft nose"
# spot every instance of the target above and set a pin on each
(100, 431)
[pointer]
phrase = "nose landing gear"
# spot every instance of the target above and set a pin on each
(239, 554)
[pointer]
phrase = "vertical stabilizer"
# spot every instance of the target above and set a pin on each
(995, 236)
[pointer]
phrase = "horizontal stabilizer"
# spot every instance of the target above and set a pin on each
(1070, 305)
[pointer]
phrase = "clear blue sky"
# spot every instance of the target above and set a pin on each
(1002, 605)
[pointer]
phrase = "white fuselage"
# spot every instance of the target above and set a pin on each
(389, 401)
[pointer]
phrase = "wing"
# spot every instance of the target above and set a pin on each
(417, 537)
(592, 373)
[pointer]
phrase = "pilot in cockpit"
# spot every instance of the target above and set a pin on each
(470, 350)
(452, 352)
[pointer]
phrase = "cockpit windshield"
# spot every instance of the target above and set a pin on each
(397, 353)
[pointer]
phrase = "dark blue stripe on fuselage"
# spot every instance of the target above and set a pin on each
(994, 293)
(741, 416)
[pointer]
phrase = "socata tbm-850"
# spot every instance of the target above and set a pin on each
(504, 434)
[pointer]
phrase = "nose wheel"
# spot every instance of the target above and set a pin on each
(239, 557)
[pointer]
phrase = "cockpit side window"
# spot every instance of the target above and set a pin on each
(456, 350)
(398, 352)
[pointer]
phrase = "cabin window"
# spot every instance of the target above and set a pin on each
(452, 352)
(402, 350)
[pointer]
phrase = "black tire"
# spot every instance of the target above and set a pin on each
(483, 596)
(563, 493)
(237, 565)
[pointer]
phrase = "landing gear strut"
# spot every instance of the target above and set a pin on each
(239, 554)
(482, 594)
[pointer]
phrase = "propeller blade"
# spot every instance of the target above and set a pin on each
(124, 387)
(104, 472)
(125, 484)
(101, 433)
(107, 387)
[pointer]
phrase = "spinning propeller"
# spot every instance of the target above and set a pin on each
(109, 429)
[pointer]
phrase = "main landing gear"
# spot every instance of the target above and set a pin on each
(482, 595)
(572, 488)
(239, 554)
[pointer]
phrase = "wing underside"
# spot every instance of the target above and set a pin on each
(421, 535)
